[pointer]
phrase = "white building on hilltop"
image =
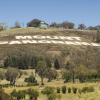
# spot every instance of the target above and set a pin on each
(43, 25)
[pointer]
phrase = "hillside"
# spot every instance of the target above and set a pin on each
(52, 42)
(50, 58)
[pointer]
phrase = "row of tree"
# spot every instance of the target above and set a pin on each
(78, 64)
(25, 61)
(65, 25)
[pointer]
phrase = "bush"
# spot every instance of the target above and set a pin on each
(18, 94)
(63, 89)
(48, 90)
(69, 90)
(32, 84)
(58, 90)
(87, 89)
(52, 96)
(31, 79)
(74, 90)
(33, 94)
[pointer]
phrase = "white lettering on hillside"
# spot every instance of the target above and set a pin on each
(39, 39)
(28, 41)
(44, 41)
(23, 37)
(3, 42)
(95, 44)
(48, 37)
(14, 42)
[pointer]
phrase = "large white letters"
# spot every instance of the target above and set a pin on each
(15, 42)
(23, 37)
(45, 39)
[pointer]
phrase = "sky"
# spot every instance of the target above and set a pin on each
(77, 11)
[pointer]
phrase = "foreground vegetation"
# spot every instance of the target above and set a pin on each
(65, 75)
(53, 90)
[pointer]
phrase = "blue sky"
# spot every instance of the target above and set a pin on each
(77, 11)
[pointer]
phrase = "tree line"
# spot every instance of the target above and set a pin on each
(65, 24)
(79, 64)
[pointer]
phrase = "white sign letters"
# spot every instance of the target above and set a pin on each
(40, 39)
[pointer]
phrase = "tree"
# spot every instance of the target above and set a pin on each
(51, 74)
(72, 69)
(67, 25)
(41, 69)
(91, 28)
(82, 73)
(66, 75)
(56, 64)
(55, 25)
(20, 60)
(81, 26)
(64, 89)
(34, 23)
(48, 90)
(11, 75)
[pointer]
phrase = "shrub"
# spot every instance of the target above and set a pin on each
(58, 90)
(33, 94)
(48, 90)
(69, 90)
(31, 79)
(87, 89)
(32, 84)
(74, 90)
(52, 96)
(63, 89)
(18, 94)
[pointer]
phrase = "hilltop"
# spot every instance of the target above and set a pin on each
(50, 31)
